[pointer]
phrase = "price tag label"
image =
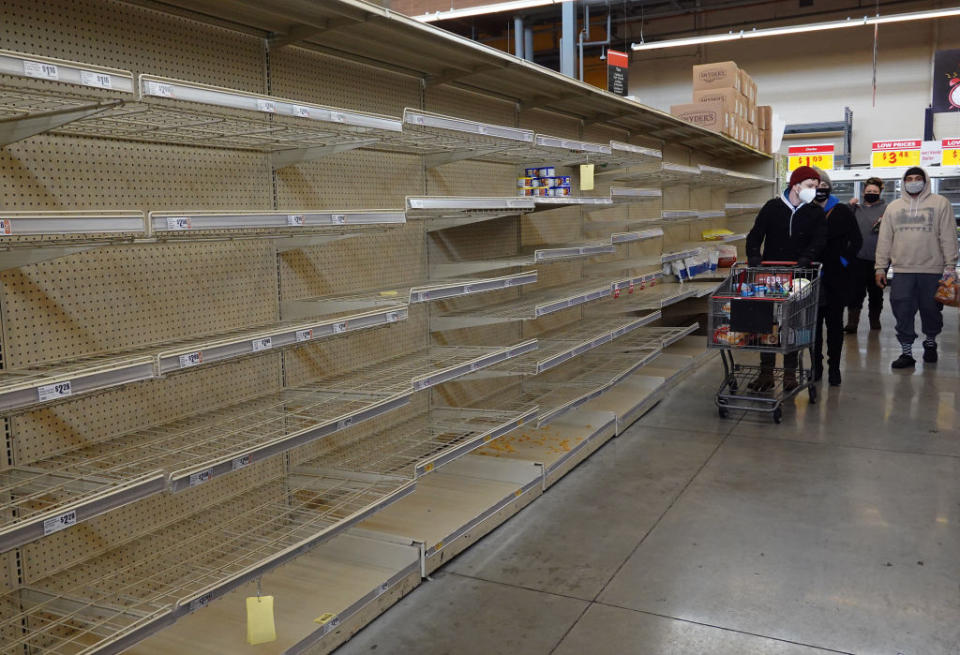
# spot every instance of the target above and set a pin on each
(382, 589)
(41, 70)
(950, 152)
(200, 477)
(337, 117)
(393, 317)
(239, 463)
(343, 424)
(295, 220)
(417, 119)
(266, 343)
(191, 359)
(100, 80)
(6, 226)
(159, 89)
(896, 153)
(200, 603)
(338, 219)
(178, 223)
(268, 106)
(339, 327)
(304, 335)
(301, 111)
(820, 155)
(327, 618)
(58, 523)
(53, 391)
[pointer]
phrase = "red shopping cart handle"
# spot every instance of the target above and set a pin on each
(772, 263)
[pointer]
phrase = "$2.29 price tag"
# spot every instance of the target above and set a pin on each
(58, 523)
(53, 391)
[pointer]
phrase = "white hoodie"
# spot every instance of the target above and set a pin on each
(918, 234)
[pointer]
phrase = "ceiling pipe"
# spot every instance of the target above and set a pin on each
(518, 48)
(586, 30)
(567, 41)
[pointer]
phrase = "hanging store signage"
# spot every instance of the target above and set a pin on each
(950, 152)
(618, 65)
(819, 155)
(946, 81)
(905, 152)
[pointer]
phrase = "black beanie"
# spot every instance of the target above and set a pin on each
(915, 170)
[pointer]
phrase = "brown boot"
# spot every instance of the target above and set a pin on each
(874, 320)
(853, 321)
(763, 382)
(790, 380)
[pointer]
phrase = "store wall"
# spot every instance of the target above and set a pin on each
(812, 77)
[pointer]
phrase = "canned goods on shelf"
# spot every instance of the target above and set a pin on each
(527, 181)
(542, 191)
(546, 171)
(528, 191)
(550, 182)
(531, 172)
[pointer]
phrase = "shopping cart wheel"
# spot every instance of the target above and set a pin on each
(723, 412)
(813, 395)
(777, 415)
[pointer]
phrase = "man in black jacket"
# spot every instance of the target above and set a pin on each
(790, 227)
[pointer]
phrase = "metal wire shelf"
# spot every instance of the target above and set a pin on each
(631, 195)
(668, 174)
(423, 443)
(109, 602)
(543, 204)
(564, 344)
(636, 235)
(651, 298)
(529, 306)
(443, 212)
(59, 381)
(406, 295)
(736, 208)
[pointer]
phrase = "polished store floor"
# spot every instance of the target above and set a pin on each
(837, 531)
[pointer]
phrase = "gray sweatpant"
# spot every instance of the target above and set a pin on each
(910, 292)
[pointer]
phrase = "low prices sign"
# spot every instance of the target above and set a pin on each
(950, 152)
(819, 155)
(905, 152)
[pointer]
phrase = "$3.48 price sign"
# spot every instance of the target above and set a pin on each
(896, 153)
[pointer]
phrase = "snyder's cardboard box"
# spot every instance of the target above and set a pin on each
(721, 75)
(766, 143)
(752, 114)
(765, 117)
(711, 115)
(733, 101)
(748, 87)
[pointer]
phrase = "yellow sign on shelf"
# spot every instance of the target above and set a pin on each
(819, 155)
(950, 152)
(888, 154)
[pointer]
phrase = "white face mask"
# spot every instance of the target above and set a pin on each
(913, 188)
(807, 194)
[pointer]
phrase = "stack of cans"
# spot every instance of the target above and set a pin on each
(543, 182)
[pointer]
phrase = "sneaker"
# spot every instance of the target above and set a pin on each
(903, 361)
(930, 351)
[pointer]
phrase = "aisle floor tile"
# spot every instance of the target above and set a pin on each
(464, 616)
(841, 548)
(606, 630)
(564, 545)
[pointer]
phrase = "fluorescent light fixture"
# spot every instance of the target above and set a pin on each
(479, 10)
(798, 29)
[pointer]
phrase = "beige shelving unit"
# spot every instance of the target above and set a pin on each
(272, 314)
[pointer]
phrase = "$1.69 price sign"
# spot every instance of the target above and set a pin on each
(905, 152)
(819, 155)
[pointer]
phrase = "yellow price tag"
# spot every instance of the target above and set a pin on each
(260, 624)
(950, 152)
(820, 161)
(888, 158)
(324, 618)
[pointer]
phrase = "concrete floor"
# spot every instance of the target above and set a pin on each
(836, 531)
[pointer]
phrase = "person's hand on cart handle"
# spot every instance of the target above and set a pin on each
(881, 277)
(803, 262)
(754, 260)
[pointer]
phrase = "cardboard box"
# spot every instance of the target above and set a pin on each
(766, 143)
(721, 75)
(752, 114)
(733, 102)
(748, 87)
(711, 115)
(765, 117)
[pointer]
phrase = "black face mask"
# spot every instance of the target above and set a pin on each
(823, 194)
(871, 197)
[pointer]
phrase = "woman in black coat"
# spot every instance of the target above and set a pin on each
(837, 285)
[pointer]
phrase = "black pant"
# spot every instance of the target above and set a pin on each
(910, 292)
(831, 315)
(865, 285)
(768, 361)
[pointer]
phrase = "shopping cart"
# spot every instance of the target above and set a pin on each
(771, 308)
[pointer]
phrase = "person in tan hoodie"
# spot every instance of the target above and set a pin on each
(918, 236)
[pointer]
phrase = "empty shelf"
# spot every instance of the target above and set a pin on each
(529, 306)
(57, 381)
(681, 253)
(667, 175)
(422, 444)
(568, 201)
(188, 224)
(539, 255)
(636, 235)
(442, 212)
(653, 297)
(627, 154)
(628, 195)
(732, 180)
(735, 208)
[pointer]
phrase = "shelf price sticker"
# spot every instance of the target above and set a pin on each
(200, 603)
(339, 328)
(819, 155)
(338, 219)
(178, 223)
(200, 477)
(49, 392)
(304, 335)
(295, 220)
(159, 89)
(393, 317)
(905, 152)
(266, 343)
(240, 462)
(268, 106)
(328, 619)
(345, 423)
(58, 523)
(191, 359)
(301, 111)
(6, 226)
(99, 80)
(950, 152)
(41, 70)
